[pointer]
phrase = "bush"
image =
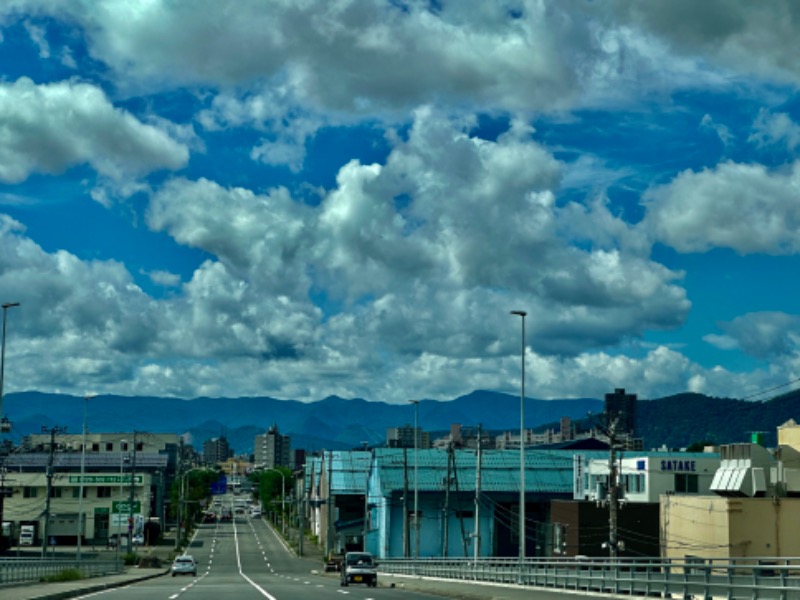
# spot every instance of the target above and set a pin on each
(65, 575)
(150, 562)
(130, 558)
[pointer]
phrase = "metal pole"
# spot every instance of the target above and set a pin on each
(180, 494)
(4, 425)
(130, 498)
(476, 534)
(416, 478)
(49, 474)
(119, 513)
(522, 313)
(283, 503)
(83, 474)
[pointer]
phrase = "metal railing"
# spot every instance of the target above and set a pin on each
(24, 570)
(766, 578)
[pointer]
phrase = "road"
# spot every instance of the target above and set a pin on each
(244, 559)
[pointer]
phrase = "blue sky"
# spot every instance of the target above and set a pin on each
(219, 198)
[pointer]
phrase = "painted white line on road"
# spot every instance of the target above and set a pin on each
(261, 590)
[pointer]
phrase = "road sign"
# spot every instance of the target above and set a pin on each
(121, 507)
(106, 479)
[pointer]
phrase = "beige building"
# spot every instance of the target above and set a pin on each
(106, 507)
(719, 527)
(754, 510)
(96, 484)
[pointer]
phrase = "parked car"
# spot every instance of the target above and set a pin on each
(118, 538)
(184, 565)
(359, 567)
(138, 539)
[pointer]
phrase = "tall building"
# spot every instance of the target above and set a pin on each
(403, 437)
(272, 449)
(620, 409)
(216, 450)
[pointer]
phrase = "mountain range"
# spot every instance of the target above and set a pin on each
(339, 423)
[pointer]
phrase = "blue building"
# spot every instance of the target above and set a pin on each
(443, 483)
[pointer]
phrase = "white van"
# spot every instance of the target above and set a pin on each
(27, 535)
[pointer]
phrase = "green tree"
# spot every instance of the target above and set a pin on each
(271, 485)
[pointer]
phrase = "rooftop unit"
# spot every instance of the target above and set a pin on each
(744, 471)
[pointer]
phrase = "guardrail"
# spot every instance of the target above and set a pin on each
(765, 578)
(24, 570)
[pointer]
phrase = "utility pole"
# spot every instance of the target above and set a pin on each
(365, 528)
(180, 492)
(476, 535)
(406, 528)
(329, 528)
(613, 492)
(301, 513)
(130, 497)
(446, 524)
(49, 474)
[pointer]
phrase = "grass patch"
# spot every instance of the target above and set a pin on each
(65, 575)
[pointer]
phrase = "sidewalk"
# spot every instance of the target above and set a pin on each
(69, 589)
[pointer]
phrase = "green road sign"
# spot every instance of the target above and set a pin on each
(107, 479)
(124, 508)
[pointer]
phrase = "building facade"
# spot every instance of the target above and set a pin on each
(272, 449)
(63, 489)
(216, 451)
(404, 437)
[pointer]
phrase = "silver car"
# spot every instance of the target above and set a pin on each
(184, 565)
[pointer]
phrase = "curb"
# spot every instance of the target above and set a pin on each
(98, 587)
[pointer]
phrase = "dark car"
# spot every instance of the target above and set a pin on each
(359, 567)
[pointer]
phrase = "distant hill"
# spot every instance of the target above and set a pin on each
(338, 423)
(331, 423)
(677, 421)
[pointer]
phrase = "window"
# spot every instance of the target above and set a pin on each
(109, 446)
(104, 491)
(29, 492)
(55, 492)
(76, 492)
(95, 447)
(686, 483)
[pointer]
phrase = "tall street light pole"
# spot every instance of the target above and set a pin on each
(416, 478)
(5, 426)
(523, 314)
(283, 497)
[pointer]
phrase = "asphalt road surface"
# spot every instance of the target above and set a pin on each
(244, 559)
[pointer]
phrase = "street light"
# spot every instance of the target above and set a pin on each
(5, 426)
(283, 497)
(416, 478)
(523, 314)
